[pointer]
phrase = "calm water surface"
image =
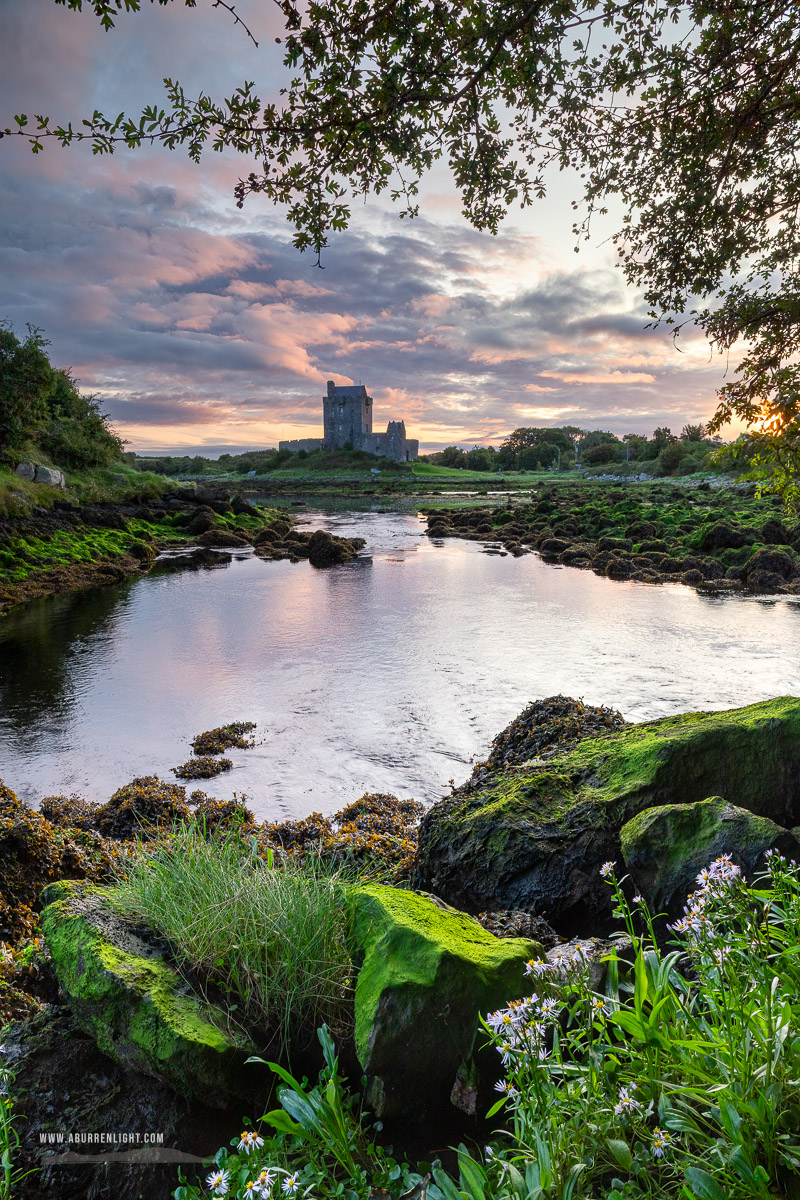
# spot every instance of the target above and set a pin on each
(388, 674)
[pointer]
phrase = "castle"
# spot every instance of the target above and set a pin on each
(347, 421)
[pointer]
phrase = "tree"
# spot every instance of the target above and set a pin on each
(686, 111)
(26, 380)
(693, 433)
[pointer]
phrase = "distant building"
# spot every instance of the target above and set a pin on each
(347, 421)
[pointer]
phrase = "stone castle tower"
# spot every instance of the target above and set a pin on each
(347, 421)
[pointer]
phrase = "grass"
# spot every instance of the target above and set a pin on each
(273, 938)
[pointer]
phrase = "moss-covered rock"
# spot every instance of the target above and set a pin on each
(535, 836)
(134, 1003)
(427, 973)
(665, 847)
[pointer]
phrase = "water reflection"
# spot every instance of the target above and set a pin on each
(388, 673)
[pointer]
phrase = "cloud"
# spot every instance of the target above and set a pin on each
(202, 324)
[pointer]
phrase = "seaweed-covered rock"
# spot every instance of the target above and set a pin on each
(665, 847)
(325, 550)
(206, 766)
(773, 562)
(224, 539)
(226, 737)
(544, 726)
(723, 536)
(534, 837)
(132, 1000)
(142, 807)
(427, 973)
(33, 853)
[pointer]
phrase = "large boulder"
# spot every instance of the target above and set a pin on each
(534, 836)
(50, 476)
(665, 847)
(427, 973)
(132, 1000)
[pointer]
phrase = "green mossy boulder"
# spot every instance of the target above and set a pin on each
(664, 848)
(534, 836)
(134, 1003)
(426, 974)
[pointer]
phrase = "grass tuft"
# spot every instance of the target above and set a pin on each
(272, 937)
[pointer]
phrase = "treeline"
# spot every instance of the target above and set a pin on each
(532, 449)
(43, 416)
(263, 462)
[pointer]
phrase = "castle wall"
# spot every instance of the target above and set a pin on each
(302, 444)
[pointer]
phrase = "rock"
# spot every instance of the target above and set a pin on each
(200, 522)
(103, 517)
(534, 836)
(611, 543)
(267, 535)
(222, 539)
(765, 582)
(773, 562)
(242, 507)
(665, 847)
(325, 550)
(775, 533)
(553, 545)
(144, 553)
(26, 470)
(723, 537)
(427, 973)
(50, 476)
(131, 999)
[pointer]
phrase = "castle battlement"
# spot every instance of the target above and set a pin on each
(347, 422)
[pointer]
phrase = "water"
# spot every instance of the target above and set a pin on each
(388, 674)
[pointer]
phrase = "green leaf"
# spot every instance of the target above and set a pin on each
(705, 1186)
(622, 1153)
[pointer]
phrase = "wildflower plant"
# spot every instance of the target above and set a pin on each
(315, 1145)
(681, 1078)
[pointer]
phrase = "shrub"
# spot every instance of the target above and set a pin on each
(273, 939)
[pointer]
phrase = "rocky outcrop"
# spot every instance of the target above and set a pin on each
(126, 993)
(664, 848)
(427, 972)
(535, 836)
(35, 473)
(322, 549)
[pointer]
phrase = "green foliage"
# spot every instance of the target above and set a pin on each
(273, 938)
(317, 1143)
(10, 1176)
(678, 1079)
(42, 411)
(26, 382)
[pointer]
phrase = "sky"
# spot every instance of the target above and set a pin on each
(202, 329)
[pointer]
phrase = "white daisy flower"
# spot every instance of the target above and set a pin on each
(291, 1183)
(627, 1105)
(217, 1182)
(250, 1141)
(607, 869)
(537, 967)
(661, 1141)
